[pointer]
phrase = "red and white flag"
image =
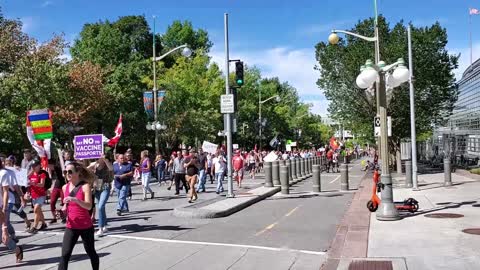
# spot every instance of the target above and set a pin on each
(474, 11)
(118, 133)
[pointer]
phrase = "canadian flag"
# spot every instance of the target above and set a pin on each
(118, 133)
(474, 11)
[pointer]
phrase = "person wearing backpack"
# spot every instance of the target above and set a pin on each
(39, 183)
(77, 206)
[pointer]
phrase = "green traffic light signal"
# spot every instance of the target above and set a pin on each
(239, 73)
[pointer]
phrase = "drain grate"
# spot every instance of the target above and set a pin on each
(376, 265)
(475, 231)
(444, 215)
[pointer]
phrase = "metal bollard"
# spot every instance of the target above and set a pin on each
(268, 174)
(275, 173)
(447, 167)
(307, 167)
(310, 166)
(294, 169)
(284, 179)
(408, 174)
(302, 168)
(290, 173)
(316, 178)
(344, 177)
(298, 169)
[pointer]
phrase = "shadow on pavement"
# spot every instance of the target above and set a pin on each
(125, 218)
(74, 258)
(438, 185)
(444, 206)
(132, 228)
(150, 211)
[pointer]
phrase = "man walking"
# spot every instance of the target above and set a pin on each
(179, 170)
(123, 171)
(218, 171)
(202, 176)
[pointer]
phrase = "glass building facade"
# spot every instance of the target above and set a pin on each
(461, 136)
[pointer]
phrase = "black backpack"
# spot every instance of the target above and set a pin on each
(48, 180)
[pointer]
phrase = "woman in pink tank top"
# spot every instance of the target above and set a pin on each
(77, 204)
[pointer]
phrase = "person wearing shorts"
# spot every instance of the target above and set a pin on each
(251, 159)
(38, 194)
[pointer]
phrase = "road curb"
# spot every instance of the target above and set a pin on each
(189, 212)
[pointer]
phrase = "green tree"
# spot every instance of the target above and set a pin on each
(179, 33)
(435, 92)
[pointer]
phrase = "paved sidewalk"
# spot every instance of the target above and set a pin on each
(417, 242)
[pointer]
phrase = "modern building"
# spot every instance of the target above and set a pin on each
(461, 136)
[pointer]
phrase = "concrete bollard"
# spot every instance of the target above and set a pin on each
(408, 174)
(447, 167)
(307, 167)
(344, 177)
(268, 174)
(302, 168)
(294, 169)
(316, 178)
(310, 166)
(297, 165)
(290, 171)
(275, 173)
(284, 179)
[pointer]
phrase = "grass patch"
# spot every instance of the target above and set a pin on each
(475, 171)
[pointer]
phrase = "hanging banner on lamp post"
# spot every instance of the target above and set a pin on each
(148, 103)
(160, 97)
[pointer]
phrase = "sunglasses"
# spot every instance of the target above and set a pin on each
(67, 172)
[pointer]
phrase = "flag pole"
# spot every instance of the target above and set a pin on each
(471, 45)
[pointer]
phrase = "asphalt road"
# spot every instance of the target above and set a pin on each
(282, 232)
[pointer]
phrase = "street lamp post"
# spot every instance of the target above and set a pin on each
(333, 39)
(185, 52)
(260, 102)
(369, 75)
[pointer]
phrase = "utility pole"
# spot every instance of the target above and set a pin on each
(155, 99)
(228, 117)
(412, 112)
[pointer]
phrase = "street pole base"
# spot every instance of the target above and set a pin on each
(268, 184)
(409, 185)
(447, 184)
(344, 187)
(230, 195)
(387, 212)
(316, 189)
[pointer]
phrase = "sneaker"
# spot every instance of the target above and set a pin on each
(104, 229)
(33, 230)
(119, 213)
(99, 232)
(152, 195)
(43, 227)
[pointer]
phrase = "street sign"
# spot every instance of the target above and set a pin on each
(377, 131)
(227, 104)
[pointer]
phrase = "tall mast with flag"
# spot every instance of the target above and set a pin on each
(118, 133)
(473, 11)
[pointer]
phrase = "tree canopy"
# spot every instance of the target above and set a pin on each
(435, 91)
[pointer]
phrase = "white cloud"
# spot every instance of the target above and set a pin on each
(292, 65)
(28, 24)
(464, 61)
(47, 3)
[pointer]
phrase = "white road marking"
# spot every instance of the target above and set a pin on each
(293, 210)
(336, 178)
(192, 243)
(214, 244)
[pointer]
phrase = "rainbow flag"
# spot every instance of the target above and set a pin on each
(41, 123)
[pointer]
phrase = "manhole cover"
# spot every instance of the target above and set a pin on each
(475, 231)
(444, 215)
(377, 265)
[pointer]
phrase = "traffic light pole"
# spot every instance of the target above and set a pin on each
(229, 116)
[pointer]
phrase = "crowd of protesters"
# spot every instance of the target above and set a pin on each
(83, 188)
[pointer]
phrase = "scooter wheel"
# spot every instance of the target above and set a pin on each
(413, 205)
(372, 206)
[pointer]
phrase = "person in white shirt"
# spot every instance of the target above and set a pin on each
(218, 170)
(7, 180)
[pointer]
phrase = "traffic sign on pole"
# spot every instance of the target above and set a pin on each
(227, 104)
(376, 123)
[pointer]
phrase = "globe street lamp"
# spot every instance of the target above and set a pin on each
(370, 74)
(187, 52)
(260, 102)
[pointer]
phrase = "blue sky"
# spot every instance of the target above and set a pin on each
(277, 36)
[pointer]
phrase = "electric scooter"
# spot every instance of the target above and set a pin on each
(409, 204)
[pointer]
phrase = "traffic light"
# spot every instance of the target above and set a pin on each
(239, 73)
